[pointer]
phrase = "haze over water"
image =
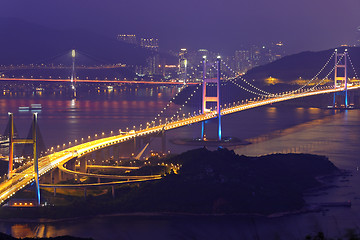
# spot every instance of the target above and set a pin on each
(308, 130)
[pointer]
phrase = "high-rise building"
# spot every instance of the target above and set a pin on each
(140, 70)
(242, 60)
(255, 56)
(150, 43)
(154, 67)
(183, 62)
(128, 38)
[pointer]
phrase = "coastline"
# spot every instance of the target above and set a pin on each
(307, 208)
(161, 215)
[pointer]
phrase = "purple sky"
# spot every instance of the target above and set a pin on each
(222, 25)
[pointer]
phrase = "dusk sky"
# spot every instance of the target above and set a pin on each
(222, 26)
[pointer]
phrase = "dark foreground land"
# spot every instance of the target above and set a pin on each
(208, 182)
(4, 236)
(221, 182)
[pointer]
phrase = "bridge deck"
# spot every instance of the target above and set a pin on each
(9, 187)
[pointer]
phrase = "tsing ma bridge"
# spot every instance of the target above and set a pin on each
(23, 176)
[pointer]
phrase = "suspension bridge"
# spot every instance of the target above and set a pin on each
(211, 108)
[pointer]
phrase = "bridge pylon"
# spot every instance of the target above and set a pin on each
(341, 76)
(73, 75)
(206, 99)
(33, 141)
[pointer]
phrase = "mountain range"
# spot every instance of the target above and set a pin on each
(23, 42)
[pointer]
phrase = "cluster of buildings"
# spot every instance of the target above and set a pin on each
(253, 56)
(242, 60)
(150, 43)
(154, 65)
(189, 60)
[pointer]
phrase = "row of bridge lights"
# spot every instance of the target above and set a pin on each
(246, 101)
(195, 113)
(189, 115)
(148, 125)
(312, 88)
(41, 65)
(235, 104)
(50, 77)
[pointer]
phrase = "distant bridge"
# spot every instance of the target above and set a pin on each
(97, 81)
(19, 179)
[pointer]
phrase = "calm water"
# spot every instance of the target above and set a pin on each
(287, 129)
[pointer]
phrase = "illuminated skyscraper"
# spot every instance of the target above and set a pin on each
(153, 65)
(150, 43)
(183, 62)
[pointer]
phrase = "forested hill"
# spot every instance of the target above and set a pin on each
(305, 65)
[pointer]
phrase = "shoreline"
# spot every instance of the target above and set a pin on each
(307, 208)
(226, 142)
(304, 210)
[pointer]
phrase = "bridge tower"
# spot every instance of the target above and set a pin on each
(341, 77)
(73, 76)
(33, 141)
(206, 99)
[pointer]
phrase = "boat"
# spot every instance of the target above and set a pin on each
(33, 107)
(22, 109)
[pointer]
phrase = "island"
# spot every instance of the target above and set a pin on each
(201, 182)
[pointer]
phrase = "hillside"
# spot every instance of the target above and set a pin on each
(223, 182)
(305, 65)
(23, 43)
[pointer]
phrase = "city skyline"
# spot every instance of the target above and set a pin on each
(233, 119)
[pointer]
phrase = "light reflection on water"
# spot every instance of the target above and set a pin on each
(275, 129)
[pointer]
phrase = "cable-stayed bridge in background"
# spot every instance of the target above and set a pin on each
(212, 106)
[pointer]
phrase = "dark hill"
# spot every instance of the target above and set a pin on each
(223, 182)
(305, 65)
(23, 43)
(208, 182)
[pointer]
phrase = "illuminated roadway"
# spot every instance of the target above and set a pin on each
(21, 179)
(96, 81)
(35, 67)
